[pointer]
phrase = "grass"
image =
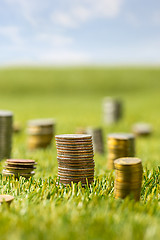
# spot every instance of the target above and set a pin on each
(42, 210)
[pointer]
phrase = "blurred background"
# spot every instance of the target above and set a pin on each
(60, 59)
(79, 32)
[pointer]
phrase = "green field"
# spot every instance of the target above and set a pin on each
(42, 210)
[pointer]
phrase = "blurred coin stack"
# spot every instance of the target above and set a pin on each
(128, 179)
(40, 133)
(75, 158)
(112, 110)
(80, 130)
(97, 136)
(120, 145)
(6, 118)
(16, 128)
(142, 129)
(19, 167)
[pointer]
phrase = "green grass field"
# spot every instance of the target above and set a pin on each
(42, 210)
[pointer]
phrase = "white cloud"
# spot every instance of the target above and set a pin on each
(49, 57)
(105, 8)
(11, 33)
(67, 57)
(68, 13)
(44, 41)
(85, 10)
(54, 39)
(82, 13)
(63, 19)
(28, 9)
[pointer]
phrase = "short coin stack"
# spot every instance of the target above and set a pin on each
(128, 177)
(120, 145)
(16, 127)
(80, 130)
(142, 129)
(112, 110)
(6, 118)
(75, 158)
(97, 135)
(40, 133)
(19, 167)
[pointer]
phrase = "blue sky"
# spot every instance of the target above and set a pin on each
(62, 32)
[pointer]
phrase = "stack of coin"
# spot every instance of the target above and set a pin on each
(97, 135)
(75, 158)
(40, 133)
(120, 145)
(19, 167)
(112, 110)
(80, 130)
(6, 118)
(142, 129)
(6, 198)
(128, 177)
(16, 127)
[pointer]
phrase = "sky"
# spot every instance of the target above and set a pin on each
(79, 32)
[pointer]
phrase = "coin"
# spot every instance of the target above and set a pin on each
(127, 185)
(128, 163)
(6, 198)
(75, 164)
(120, 145)
(21, 161)
(6, 122)
(19, 170)
(40, 133)
(74, 143)
(75, 152)
(121, 136)
(132, 193)
(80, 130)
(19, 167)
(26, 175)
(75, 158)
(112, 110)
(142, 129)
(73, 137)
(74, 148)
(128, 178)
(16, 128)
(97, 136)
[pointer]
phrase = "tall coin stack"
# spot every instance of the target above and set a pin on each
(120, 145)
(97, 135)
(40, 133)
(19, 167)
(6, 118)
(128, 179)
(75, 158)
(112, 110)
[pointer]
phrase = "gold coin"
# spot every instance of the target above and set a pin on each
(126, 163)
(127, 185)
